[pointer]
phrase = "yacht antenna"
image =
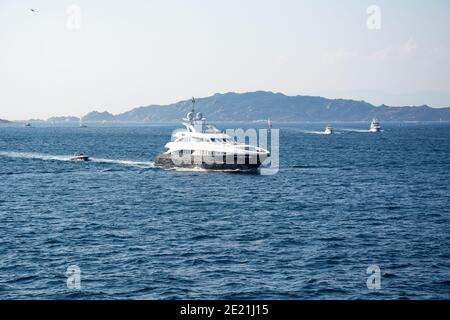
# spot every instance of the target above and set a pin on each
(193, 105)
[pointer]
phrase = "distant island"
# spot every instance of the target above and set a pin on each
(96, 116)
(4, 121)
(260, 105)
(63, 119)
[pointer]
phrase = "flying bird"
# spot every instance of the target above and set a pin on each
(33, 10)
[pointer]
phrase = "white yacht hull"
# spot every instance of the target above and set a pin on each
(230, 163)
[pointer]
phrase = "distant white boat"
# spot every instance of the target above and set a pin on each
(27, 124)
(82, 125)
(79, 157)
(329, 130)
(375, 126)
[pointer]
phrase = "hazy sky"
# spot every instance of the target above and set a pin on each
(121, 54)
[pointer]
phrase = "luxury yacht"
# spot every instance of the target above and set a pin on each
(375, 126)
(329, 130)
(79, 157)
(202, 145)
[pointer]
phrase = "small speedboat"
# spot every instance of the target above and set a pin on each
(329, 130)
(79, 157)
(375, 126)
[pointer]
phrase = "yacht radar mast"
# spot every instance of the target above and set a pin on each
(190, 117)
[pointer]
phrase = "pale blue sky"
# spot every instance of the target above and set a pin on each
(139, 52)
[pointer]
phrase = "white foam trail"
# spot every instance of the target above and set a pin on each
(141, 164)
(194, 169)
(31, 155)
(41, 156)
(315, 132)
(358, 130)
(320, 132)
(199, 169)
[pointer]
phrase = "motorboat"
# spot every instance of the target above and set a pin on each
(79, 156)
(202, 145)
(329, 130)
(375, 126)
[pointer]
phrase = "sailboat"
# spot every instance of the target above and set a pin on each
(82, 125)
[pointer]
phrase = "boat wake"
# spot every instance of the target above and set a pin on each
(199, 169)
(140, 164)
(315, 132)
(48, 157)
(32, 155)
(357, 130)
(319, 132)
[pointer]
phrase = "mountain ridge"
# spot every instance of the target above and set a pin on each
(259, 105)
(252, 106)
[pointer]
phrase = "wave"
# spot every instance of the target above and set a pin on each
(319, 132)
(199, 169)
(357, 130)
(314, 132)
(49, 157)
(140, 164)
(204, 170)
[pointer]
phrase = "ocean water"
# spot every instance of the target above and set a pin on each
(337, 205)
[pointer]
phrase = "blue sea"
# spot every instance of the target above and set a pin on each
(338, 205)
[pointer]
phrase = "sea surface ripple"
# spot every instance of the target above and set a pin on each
(337, 205)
